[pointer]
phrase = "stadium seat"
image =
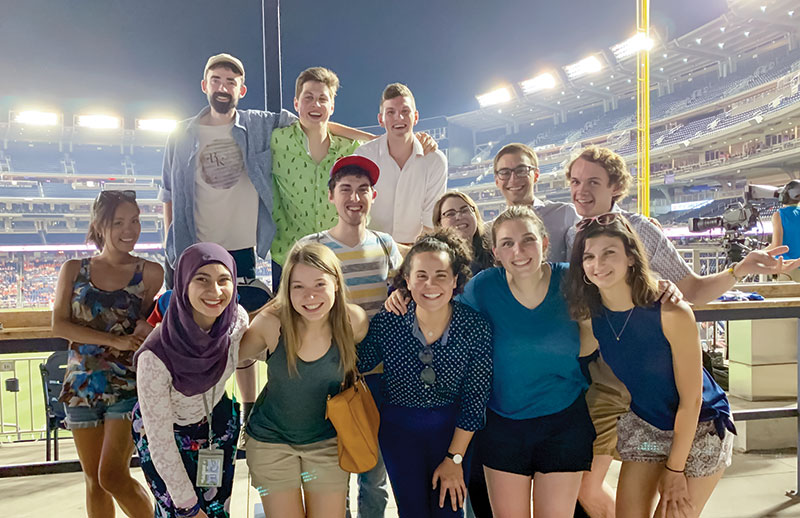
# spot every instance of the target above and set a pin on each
(52, 371)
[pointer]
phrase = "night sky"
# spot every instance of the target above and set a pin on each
(145, 57)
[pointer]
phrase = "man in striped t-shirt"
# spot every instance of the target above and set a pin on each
(366, 257)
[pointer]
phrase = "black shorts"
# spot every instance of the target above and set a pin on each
(555, 443)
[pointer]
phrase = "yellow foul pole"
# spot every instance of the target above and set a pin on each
(643, 106)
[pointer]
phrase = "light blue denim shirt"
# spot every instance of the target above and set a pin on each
(252, 131)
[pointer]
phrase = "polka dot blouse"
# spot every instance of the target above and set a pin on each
(462, 361)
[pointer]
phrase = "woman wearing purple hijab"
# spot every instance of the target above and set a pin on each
(182, 369)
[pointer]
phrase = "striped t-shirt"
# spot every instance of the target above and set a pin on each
(365, 267)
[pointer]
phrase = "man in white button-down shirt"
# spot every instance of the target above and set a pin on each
(410, 181)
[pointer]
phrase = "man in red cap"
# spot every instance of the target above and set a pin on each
(367, 257)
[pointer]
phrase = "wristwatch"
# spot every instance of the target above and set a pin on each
(455, 457)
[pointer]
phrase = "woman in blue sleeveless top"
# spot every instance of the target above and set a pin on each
(786, 224)
(675, 441)
(309, 332)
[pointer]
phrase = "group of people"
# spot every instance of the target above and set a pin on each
(478, 340)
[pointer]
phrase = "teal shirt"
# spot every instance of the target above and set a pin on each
(300, 187)
(291, 408)
(535, 351)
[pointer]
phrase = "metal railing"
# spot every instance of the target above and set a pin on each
(22, 403)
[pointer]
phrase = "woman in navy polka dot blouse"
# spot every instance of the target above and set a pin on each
(437, 374)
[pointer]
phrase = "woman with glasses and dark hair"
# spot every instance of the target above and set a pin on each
(458, 211)
(437, 372)
(101, 304)
(677, 438)
(538, 435)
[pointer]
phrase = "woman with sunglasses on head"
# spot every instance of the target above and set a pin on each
(100, 306)
(184, 416)
(676, 440)
(437, 370)
(309, 332)
(538, 436)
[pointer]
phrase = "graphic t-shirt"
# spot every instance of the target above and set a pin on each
(226, 202)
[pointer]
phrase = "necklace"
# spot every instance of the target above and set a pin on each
(618, 335)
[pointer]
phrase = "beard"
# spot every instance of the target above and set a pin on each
(219, 104)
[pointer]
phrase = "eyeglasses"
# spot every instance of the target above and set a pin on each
(521, 171)
(464, 211)
(602, 219)
(428, 375)
(117, 194)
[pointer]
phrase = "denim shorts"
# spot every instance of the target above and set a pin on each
(92, 416)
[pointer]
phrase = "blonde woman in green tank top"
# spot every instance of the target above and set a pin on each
(308, 332)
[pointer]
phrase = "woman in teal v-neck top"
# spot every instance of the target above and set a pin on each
(538, 433)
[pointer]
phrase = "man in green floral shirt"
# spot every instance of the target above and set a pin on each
(302, 156)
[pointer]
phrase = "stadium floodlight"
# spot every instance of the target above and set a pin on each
(159, 125)
(583, 67)
(99, 121)
(632, 45)
(541, 82)
(36, 118)
(497, 96)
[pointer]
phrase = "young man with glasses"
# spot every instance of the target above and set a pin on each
(598, 180)
(516, 170)
(411, 180)
(367, 257)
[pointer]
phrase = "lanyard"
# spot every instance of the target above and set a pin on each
(208, 413)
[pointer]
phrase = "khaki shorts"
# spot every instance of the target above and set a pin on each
(608, 400)
(278, 467)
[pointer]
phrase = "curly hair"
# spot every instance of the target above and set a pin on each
(444, 240)
(612, 163)
(482, 256)
(584, 298)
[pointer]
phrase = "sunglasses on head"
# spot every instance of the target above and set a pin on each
(126, 194)
(602, 220)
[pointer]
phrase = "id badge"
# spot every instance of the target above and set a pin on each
(209, 467)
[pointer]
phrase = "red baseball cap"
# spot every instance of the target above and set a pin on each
(363, 162)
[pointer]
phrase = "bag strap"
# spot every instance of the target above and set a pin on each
(383, 246)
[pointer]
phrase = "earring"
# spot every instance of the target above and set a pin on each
(585, 280)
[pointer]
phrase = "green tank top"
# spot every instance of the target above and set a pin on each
(291, 409)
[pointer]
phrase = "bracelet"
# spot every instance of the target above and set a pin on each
(732, 271)
(674, 470)
(188, 512)
(247, 366)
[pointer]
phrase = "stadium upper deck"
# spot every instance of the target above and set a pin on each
(725, 108)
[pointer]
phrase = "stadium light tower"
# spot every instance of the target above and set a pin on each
(541, 82)
(643, 107)
(584, 67)
(36, 118)
(156, 125)
(98, 121)
(632, 45)
(498, 96)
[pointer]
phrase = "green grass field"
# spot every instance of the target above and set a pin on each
(25, 410)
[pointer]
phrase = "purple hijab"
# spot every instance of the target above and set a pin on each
(196, 359)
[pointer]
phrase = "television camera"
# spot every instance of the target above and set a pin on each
(738, 218)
